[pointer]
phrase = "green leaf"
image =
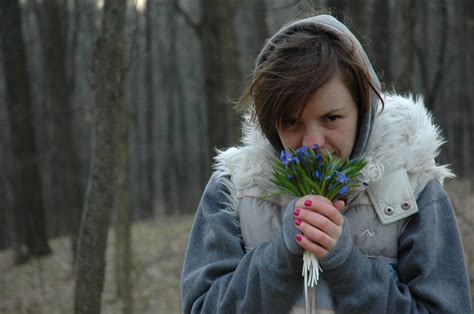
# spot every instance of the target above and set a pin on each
(304, 183)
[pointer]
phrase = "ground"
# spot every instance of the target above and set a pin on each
(46, 285)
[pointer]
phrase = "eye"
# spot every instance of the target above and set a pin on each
(288, 123)
(332, 118)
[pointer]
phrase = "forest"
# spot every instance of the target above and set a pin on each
(111, 112)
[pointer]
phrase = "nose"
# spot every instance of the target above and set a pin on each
(313, 135)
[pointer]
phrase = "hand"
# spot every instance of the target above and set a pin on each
(320, 223)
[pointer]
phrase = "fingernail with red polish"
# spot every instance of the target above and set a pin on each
(307, 203)
(296, 212)
(299, 237)
(297, 222)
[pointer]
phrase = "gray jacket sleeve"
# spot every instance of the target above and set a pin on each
(218, 277)
(431, 275)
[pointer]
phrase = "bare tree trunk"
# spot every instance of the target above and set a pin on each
(122, 208)
(14, 230)
(65, 167)
(221, 71)
(6, 212)
(28, 198)
(381, 34)
(150, 105)
(261, 28)
(359, 15)
(404, 80)
(432, 74)
(253, 32)
(14, 218)
(107, 83)
(168, 66)
(460, 94)
(468, 92)
(336, 7)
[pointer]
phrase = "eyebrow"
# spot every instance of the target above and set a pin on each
(329, 112)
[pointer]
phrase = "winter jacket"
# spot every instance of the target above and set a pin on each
(399, 251)
(242, 256)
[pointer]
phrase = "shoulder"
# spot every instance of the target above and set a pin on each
(432, 192)
(404, 135)
(217, 194)
(247, 165)
(435, 210)
(216, 211)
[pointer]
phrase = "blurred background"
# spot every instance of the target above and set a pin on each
(184, 63)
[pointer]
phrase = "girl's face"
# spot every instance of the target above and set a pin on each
(328, 120)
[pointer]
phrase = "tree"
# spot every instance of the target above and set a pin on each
(220, 64)
(107, 84)
(123, 253)
(59, 83)
(253, 33)
(148, 174)
(122, 208)
(173, 120)
(28, 199)
(381, 34)
(404, 81)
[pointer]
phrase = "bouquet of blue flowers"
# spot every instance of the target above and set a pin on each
(312, 171)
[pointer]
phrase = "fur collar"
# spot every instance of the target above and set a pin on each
(403, 135)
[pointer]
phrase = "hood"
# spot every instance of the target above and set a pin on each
(404, 136)
(332, 24)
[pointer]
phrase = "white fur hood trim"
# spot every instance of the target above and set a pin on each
(251, 163)
(403, 135)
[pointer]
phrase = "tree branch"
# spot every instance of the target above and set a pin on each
(194, 26)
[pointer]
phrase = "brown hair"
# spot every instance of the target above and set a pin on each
(295, 65)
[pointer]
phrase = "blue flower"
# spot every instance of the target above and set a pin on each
(290, 177)
(317, 174)
(285, 158)
(317, 152)
(344, 191)
(303, 151)
(295, 160)
(341, 178)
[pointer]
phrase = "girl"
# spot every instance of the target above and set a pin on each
(394, 249)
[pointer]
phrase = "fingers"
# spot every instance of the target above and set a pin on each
(323, 206)
(312, 247)
(308, 219)
(320, 223)
(316, 235)
(313, 199)
(339, 204)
